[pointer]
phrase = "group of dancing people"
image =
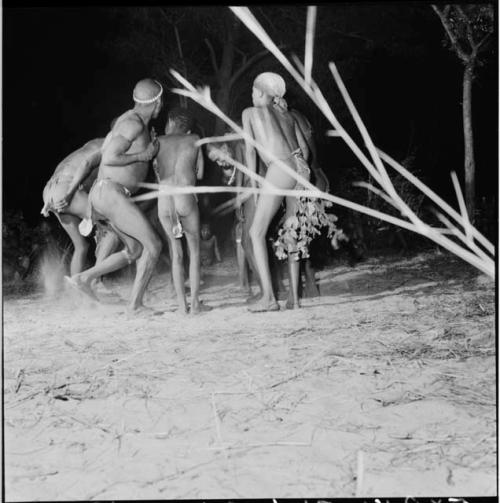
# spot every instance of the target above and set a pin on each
(95, 187)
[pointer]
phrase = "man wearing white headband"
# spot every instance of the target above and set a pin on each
(126, 153)
(273, 127)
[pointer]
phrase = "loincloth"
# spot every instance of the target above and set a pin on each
(92, 215)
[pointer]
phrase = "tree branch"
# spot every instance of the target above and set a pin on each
(456, 45)
(480, 46)
(212, 56)
(246, 64)
(468, 28)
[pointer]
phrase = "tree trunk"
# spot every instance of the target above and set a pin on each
(224, 74)
(183, 99)
(468, 141)
(222, 101)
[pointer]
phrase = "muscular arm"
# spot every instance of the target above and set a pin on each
(114, 153)
(84, 170)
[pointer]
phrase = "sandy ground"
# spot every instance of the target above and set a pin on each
(383, 386)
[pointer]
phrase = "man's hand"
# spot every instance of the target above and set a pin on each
(151, 150)
(64, 202)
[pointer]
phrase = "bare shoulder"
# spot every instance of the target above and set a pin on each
(128, 125)
(192, 139)
(93, 145)
(248, 112)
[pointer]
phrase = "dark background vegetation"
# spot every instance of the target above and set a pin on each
(69, 71)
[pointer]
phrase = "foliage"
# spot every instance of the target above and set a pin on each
(299, 230)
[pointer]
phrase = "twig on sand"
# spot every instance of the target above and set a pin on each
(86, 423)
(301, 372)
(216, 419)
(359, 474)
(19, 379)
(260, 444)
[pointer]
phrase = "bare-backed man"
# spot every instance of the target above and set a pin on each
(66, 196)
(179, 164)
(126, 152)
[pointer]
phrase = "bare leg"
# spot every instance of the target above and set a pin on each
(246, 243)
(242, 268)
(176, 254)
(191, 224)
(80, 244)
(105, 247)
(136, 232)
(267, 206)
(108, 244)
(311, 289)
(293, 272)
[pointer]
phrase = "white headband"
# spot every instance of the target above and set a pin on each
(152, 100)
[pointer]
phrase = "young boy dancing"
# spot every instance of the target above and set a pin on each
(179, 163)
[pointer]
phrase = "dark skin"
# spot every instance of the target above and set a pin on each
(322, 183)
(126, 152)
(180, 164)
(277, 132)
(69, 201)
(244, 213)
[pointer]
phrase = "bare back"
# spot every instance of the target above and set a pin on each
(276, 131)
(67, 168)
(129, 135)
(78, 168)
(177, 159)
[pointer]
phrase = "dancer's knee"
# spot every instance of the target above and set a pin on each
(256, 233)
(153, 247)
(131, 255)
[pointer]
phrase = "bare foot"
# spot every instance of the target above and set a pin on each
(200, 308)
(77, 284)
(254, 298)
(245, 290)
(264, 306)
(290, 304)
(143, 310)
(311, 291)
(282, 294)
(102, 289)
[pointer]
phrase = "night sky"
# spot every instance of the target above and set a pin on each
(62, 87)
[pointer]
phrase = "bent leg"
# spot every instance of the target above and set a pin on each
(267, 206)
(136, 232)
(80, 244)
(107, 245)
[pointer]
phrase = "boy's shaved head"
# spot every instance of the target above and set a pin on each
(182, 118)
